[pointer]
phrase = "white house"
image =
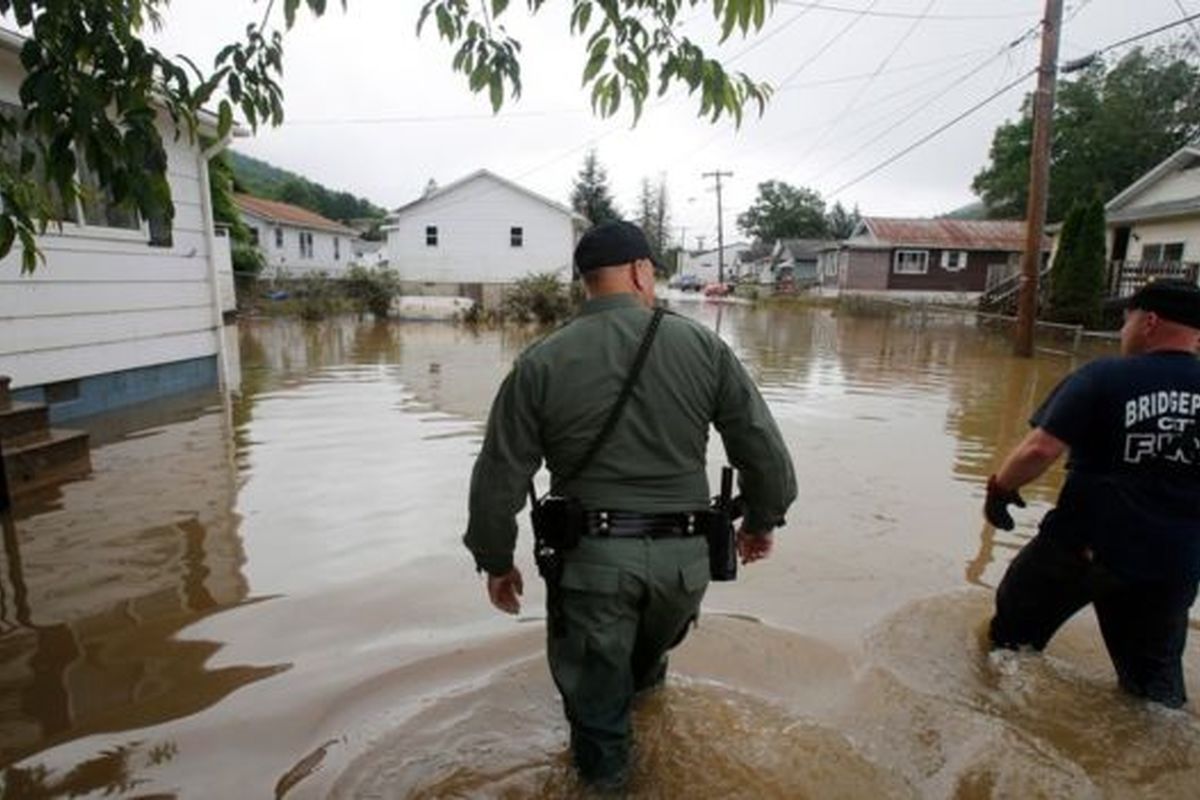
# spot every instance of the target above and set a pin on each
(295, 241)
(705, 264)
(118, 313)
(478, 235)
(1154, 224)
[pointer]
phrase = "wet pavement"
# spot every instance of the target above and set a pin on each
(268, 597)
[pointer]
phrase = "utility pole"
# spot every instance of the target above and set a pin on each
(717, 175)
(1039, 179)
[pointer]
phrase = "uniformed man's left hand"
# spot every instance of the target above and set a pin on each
(753, 546)
(505, 591)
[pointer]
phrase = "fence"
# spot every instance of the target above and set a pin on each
(1126, 277)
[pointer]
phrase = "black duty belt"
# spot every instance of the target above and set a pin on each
(635, 524)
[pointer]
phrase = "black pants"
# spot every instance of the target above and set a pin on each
(1144, 623)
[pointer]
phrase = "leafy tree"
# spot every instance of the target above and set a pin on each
(298, 193)
(840, 222)
(1077, 275)
(654, 216)
(783, 211)
(1110, 127)
(93, 86)
(221, 184)
(592, 196)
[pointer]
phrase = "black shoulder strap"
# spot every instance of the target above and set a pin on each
(619, 405)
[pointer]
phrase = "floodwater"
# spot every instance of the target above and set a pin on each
(268, 598)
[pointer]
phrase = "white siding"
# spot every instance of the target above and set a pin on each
(474, 222)
(706, 266)
(1166, 232)
(104, 300)
(1182, 185)
(288, 257)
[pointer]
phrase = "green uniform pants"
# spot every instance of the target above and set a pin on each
(625, 603)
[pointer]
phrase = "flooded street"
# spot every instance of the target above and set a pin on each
(270, 598)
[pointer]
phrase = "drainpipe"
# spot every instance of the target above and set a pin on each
(210, 238)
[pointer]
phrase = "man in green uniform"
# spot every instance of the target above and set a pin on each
(634, 583)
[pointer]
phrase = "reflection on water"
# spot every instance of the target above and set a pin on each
(269, 597)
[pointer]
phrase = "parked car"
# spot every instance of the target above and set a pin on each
(688, 283)
(718, 289)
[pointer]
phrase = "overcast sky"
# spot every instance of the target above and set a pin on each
(375, 110)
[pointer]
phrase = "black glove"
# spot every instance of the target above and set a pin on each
(995, 507)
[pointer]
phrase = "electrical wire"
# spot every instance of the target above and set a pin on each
(836, 38)
(897, 14)
(933, 134)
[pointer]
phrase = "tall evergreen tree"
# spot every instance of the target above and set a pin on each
(841, 223)
(654, 216)
(1077, 275)
(592, 196)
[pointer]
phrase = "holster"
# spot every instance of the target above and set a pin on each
(717, 525)
(558, 523)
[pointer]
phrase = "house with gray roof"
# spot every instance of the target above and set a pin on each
(1154, 224)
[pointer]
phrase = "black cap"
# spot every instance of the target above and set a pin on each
(1170, 298)
(610, 244)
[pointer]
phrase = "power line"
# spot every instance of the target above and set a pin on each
(906, 68)
(933, 134)
(1183, 13)
(836, 38)
(1187, 20)
(931, 99)
(867, 85)
(897, 14)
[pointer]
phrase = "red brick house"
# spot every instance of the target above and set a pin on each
(929, 257)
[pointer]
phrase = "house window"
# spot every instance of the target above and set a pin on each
(911, 262)
(337, 249)
(954, 260)
(431, 236)
(279, 238)
(253, 236)
(306, 244)
(1160, 252)
(516, 236)
(99, 208)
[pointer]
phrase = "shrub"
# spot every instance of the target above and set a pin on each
(540, 298)
(317, 296)
(372, 289)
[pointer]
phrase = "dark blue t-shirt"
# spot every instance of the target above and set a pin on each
(1132, 492)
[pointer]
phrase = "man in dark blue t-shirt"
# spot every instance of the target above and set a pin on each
(1125, 533)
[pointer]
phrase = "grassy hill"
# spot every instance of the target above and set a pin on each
(266, 180)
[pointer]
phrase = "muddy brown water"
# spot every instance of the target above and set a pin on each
(268, 598)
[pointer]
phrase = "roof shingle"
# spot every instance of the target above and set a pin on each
(950, 234)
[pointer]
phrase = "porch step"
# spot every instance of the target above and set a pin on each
(17, 419)
(41, 458)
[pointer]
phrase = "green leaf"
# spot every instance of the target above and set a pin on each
(585, 16)
(496, 90)
(224, 120)
(498, 7)
(8, 232)
(289, 12)
(594, 65)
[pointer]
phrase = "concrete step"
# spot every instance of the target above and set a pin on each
(18, 419)
(42, 458)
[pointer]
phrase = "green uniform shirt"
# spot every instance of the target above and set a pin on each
(560, 391)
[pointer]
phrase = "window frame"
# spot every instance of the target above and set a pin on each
(278, 237)
(79, 227)
(432, 236)
(897, 261)
(516, 236)
(1161, 250)
(962, 260)
(337, 248)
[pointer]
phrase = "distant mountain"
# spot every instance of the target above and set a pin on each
(976, 210)
(266, 180)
